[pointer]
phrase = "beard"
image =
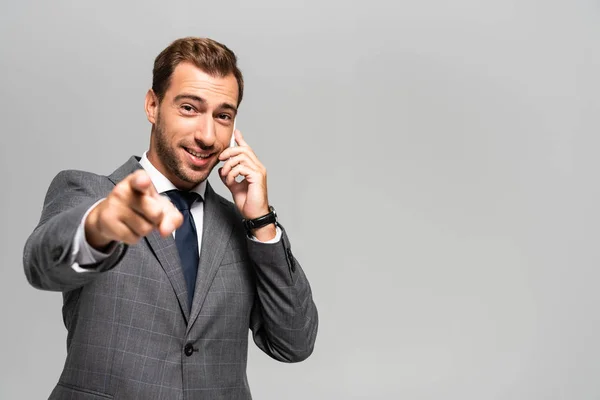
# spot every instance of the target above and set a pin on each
(168, 156)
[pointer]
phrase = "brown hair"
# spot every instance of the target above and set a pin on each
(209, 55)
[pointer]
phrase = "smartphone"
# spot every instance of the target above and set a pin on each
(233, 143)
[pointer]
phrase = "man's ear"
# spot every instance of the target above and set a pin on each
(151, 106)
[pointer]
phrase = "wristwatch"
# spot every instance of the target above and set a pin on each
(270, 218)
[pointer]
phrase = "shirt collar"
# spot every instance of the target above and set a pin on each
(161, 183)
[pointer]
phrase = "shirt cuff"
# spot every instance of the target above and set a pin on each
(274, 240)
(83, 253)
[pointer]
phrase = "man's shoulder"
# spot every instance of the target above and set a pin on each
(75, 173)
(71, 188)
(80, 178)
(75, 177)
(74, 183)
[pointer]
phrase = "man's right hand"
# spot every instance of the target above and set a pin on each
(131, 211)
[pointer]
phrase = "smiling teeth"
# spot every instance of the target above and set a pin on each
(197, 154)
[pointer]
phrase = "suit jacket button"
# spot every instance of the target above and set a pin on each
(188, 350)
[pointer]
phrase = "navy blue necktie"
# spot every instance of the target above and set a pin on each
(186, 238)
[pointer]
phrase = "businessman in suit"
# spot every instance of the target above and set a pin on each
(161, 277)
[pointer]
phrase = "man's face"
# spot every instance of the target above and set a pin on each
(193, 124)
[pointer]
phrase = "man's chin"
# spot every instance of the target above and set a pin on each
(195, 176)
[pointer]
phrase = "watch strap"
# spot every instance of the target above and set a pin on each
(270, 218)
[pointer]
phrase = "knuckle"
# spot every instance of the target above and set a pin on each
(107, 215)
(146, 229)
(157, 211)
(149, 211)
(119, 192)
(114, 199)
(153, 216)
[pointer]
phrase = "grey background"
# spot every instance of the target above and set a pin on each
(434, 162)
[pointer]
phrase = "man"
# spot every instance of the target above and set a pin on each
(161, 277)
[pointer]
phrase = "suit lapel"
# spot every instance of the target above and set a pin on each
(164, 249)
(216, 232)
(166, 252)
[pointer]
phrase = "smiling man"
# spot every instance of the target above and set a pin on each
(161, 277)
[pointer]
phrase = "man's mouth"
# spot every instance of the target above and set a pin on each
(196, 154)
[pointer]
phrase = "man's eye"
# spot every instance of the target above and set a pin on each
(187, 108)
(225, 116)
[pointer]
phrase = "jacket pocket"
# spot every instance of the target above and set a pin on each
(71, 392)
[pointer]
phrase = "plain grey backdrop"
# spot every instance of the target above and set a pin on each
(434, 162)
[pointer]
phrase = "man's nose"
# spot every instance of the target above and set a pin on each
(206, 131)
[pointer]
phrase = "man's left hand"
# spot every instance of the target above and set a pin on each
(249, 195)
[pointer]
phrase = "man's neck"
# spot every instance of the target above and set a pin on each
(161, 182)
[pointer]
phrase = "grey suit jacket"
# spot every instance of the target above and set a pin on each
(130, 334)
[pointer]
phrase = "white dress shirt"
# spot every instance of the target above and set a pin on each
(84, 254)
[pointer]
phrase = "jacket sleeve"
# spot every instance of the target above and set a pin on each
(48, 256)
(284, 318)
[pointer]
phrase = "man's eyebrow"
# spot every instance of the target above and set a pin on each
(229, 106)
(185, 96)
